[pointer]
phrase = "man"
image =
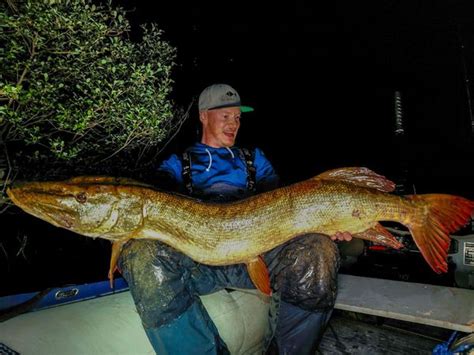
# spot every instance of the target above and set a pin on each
(166, 284)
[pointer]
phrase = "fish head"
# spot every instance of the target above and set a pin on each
(87, 209)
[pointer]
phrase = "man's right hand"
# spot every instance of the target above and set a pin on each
(342, 236)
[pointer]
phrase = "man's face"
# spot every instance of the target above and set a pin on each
(220, 126)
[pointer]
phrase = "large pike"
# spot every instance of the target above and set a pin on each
(349, 199)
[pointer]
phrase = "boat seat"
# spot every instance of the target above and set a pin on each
(439, 306)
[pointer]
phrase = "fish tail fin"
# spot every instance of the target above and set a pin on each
(441, 215)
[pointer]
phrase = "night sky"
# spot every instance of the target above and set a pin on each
(322, 80)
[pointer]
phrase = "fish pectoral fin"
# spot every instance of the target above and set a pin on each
(259, 275)
(359, 176)
(378, 234)
(116, 251)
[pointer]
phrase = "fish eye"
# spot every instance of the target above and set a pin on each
(81, 197)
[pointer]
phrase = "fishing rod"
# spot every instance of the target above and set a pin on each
(466, 76)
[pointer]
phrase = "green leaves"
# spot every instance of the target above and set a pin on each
(73, 81)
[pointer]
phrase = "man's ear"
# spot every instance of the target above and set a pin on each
(203, 117)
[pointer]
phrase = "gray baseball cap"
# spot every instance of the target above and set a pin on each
(219, 96)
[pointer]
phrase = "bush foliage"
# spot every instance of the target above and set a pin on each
(75, 90)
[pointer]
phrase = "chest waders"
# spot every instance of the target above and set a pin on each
(303, 274)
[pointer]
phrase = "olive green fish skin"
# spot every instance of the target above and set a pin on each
(214, 234)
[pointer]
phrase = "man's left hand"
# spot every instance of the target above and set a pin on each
(342, 236)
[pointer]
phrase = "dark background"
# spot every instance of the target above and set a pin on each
(321, 78)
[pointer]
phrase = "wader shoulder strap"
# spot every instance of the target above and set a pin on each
(251, 171)
(186, 172)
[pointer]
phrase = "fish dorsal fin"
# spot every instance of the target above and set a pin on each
(359, 176)
(259, 275)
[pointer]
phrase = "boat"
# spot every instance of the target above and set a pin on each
(371, 316)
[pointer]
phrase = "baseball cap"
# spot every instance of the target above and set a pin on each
(219, 96)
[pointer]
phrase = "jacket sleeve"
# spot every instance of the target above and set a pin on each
(266, 176)
(169, 174)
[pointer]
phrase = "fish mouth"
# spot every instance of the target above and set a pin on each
(41, 205)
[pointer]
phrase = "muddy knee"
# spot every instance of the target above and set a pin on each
(158, 278)
(306, 272)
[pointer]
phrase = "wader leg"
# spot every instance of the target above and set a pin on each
(303, 273)
(162, 286)
(193, 332)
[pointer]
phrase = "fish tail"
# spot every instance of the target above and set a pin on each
(440, 215)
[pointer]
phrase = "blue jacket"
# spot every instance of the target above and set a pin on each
(220, 170)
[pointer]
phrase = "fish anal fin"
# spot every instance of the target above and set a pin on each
(117, 246)
(379, 235)
(359, 176)
(259, 275)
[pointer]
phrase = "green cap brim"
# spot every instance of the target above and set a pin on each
(246, 109)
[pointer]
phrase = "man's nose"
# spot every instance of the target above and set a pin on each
(234, 122)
